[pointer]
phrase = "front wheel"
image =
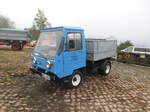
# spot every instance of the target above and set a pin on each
(74, 80)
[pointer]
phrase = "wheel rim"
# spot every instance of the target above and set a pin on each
(76, 80)
(107, 68)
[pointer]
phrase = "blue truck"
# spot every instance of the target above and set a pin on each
(64, 53)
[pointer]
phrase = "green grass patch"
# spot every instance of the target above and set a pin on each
(8, 68)
(3, 59)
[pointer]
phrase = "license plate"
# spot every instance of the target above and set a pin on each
(45, 76)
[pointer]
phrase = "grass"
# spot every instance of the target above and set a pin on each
(14, 60)
(3, 59)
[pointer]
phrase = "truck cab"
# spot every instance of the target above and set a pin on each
(59, 52)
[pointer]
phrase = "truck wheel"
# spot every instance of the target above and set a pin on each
(21, 46)
(105, 68)
(74, 80)
(16, 46)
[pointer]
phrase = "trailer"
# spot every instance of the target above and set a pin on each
(14, 38)
(63, 53)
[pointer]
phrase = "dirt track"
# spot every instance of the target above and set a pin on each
(121, 91)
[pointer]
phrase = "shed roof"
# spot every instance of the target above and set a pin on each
(142, 49)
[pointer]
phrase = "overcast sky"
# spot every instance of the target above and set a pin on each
(122, 19)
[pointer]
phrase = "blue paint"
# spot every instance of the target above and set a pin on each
(67, 61)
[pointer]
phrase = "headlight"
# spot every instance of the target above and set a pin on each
(34, 60)
(48, 64)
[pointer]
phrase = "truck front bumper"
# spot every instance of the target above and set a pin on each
(41, 73)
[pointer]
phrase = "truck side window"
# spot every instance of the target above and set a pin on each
(71, 41)
(74, 41)
(78, 40)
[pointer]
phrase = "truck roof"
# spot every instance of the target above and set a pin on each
(13, 30)
(62, 28)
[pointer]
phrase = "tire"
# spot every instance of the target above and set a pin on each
(74, 80)
(21, 46)
(16, 46)
(105, 68)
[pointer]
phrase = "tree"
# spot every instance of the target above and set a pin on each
(40, 21)
(124, 45)
(5, 22)
(34, 34)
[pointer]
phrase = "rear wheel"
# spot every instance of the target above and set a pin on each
(74, 80)
(16, 46)
(105, 68)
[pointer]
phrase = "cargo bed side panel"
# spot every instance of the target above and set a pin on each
(99, 49)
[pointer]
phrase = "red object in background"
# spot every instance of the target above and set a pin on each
(15, 45)
(33, 43)
(27, 44)
(4, 43)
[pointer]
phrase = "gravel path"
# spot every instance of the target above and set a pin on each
(122, 91)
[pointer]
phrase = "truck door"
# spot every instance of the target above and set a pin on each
(74, 55)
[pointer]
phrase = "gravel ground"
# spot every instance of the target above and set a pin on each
(126, 89)
(134, 72)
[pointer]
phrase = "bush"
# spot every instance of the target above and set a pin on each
(124, 45)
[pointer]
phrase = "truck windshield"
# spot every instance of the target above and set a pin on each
(49, 44)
